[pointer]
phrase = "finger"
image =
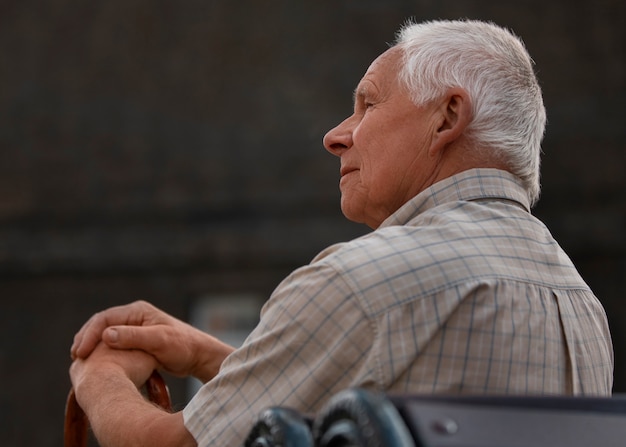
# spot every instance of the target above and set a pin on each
(91, 333)
(87, 337)
(170, 346)
(150, 339)
(74, 371)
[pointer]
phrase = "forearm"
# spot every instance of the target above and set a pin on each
(210, 354)
(120, 416)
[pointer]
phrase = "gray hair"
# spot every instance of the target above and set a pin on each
(492, 64)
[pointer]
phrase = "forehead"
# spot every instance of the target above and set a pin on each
(381, 74)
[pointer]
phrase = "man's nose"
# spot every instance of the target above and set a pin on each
(338, 139)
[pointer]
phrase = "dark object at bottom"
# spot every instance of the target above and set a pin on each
(514, 421)
(280, 427)
(355, 418)
(359, 418)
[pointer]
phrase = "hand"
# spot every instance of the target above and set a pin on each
(135, 365)
(180, 348)
(106, 387)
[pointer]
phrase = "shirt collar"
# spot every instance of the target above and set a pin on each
(473, 184)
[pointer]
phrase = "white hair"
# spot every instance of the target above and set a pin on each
(493, 66)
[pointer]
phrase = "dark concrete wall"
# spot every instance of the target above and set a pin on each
(168, 150)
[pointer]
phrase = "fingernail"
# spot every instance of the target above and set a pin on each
(113, 335)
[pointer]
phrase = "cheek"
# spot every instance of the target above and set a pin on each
(373, 152)
(381, 158)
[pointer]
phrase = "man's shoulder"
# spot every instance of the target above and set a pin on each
(443, 225)
(455, 243)
(391, 246)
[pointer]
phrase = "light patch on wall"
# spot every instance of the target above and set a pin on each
(228, 317)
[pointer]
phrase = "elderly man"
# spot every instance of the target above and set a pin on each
(458, 289)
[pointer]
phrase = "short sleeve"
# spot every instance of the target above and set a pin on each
(313, 340)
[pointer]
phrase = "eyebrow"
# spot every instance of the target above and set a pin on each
(359, 91)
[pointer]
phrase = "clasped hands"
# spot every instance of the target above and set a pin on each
(137, 338)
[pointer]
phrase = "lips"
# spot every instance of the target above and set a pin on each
(346, 170)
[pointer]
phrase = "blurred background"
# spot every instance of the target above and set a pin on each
(171, 151)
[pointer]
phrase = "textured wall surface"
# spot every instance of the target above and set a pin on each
(171, 150)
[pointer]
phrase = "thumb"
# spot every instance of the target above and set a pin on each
(131, 337)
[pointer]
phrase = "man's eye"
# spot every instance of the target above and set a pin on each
(369, 104)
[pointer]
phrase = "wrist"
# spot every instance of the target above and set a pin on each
(211, 352)
(97, 394)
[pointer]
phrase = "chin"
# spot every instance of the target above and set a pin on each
(350, 214)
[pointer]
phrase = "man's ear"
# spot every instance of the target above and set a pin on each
(455, 114)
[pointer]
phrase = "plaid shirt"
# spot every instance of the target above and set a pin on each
(461, 290)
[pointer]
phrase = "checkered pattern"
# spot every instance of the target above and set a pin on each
(462, 290)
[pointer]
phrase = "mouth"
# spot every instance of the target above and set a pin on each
(346, 170)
